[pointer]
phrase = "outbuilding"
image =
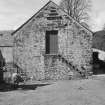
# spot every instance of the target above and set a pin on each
(51, 44)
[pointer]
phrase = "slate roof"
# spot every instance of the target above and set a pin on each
(6, 40)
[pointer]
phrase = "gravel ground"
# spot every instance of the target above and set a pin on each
(71, 92)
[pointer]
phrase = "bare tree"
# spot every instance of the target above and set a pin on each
(78, 9)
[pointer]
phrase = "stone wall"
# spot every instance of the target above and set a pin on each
(74, 44)
(55, 68)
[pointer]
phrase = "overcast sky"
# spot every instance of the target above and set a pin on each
(14, 13)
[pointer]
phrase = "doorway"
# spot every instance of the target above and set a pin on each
(52, 42)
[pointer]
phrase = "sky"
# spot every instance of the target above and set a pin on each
(14, 13)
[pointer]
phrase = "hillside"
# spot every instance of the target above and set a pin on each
(99, 40)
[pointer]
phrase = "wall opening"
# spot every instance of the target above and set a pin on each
(52, 42)
(98, 65)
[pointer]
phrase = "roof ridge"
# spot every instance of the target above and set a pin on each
(30, 18)
(73, 18)
(44, 7)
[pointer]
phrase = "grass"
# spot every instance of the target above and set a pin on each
(69, 92)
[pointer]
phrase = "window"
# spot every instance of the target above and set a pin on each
(52, 42)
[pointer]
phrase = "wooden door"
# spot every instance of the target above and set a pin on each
(52, 42)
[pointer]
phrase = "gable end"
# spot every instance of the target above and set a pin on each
(35, 15)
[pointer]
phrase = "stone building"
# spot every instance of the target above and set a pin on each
(51, 44)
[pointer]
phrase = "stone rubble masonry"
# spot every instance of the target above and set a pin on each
(74, 44)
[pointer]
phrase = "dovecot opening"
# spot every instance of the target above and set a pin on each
(52, 42)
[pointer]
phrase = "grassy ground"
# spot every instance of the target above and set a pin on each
(71, 92)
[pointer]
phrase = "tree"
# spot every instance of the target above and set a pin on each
(103, 27)
(78, 9)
